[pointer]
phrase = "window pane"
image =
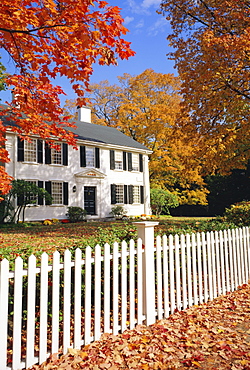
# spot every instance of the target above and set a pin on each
(32, 199)
(57, 192)
(135, 162)
(118, 160)
(30, 151)
(119, 194)
(90, 157)
(56, 155)
(136, 194)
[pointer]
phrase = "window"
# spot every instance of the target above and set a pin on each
(118, 160)
(57, 192)
(119, 194)
(136, 194)
(90, 156)
(135, 162)
(56, 155)
(32, 199)
(30, 150)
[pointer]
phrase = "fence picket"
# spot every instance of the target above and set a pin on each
(139, 283)
(4, 293)
(66, 300)
(131, 284)
(55, 301)
(172, 280)
(199, 264)
(231, 266)
(31, 303)
(159, 277)
(205, 246)
(177, 272)
(43, 336)
(77, 298)
(115, 289)
(165, 276)
(209, 269)
(184, 272)
(97, 299)
(194, 268)
(189, 270)
(87, 297)
(124, 286)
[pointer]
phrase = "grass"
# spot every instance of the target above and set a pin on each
(35, 238)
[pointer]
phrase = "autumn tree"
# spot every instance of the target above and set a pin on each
(145, 107)
(211, 41)
(46, 39)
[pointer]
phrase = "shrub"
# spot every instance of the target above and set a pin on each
(76, 214)
(118, 211)
(162, 200)
(238, 213)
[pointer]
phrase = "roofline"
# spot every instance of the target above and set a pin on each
(93, 143)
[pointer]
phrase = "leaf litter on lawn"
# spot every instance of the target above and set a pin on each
(210, 336)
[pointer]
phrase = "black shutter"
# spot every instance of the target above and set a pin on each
(141, 162)
(65, 193)
(39, 146)
(97, 157)
(142, 194)
(47, 154)
(129, 161)
(113, 194)
(124, 161)
(20, 150)
(48, 188)
(125, 194)
(112, 159)
(65, 154)
(82, 156)
(130, 194)
(40, 199)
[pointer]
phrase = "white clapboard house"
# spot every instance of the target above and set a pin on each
(108, 169)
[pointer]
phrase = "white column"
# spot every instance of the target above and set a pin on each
(146, 234)
(147, 208)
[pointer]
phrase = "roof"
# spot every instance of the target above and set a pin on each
(96, 133)
(105, 134)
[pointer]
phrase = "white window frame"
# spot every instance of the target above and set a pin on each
(119, 194)
(135, 162)
(56, 155)
(118, 160)
(136, 194)
(57, 194)
(90, 156)
(30, 151)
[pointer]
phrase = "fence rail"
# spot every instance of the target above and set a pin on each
(63, 301)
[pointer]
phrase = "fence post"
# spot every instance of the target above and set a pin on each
(146, 234)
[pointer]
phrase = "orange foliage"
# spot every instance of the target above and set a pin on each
(49, 38)
(212, 41)
(146, 107)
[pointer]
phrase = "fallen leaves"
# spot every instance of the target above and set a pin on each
(209, 336)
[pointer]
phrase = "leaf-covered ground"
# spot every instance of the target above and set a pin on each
(211, 336)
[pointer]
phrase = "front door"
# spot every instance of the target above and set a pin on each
(89, 199)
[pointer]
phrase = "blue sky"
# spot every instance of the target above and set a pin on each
(147, 33)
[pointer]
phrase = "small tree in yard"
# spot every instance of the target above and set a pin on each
(162, 200)
(26, 193)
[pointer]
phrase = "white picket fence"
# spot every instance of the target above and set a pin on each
(70, 301)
